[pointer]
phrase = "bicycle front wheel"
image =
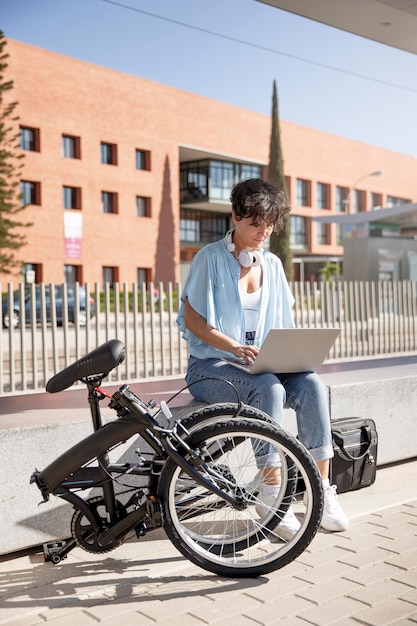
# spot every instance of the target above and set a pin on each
(242, 539)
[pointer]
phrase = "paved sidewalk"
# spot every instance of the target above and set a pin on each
(367, 575)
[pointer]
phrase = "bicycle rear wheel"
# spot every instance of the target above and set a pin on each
(235, 540)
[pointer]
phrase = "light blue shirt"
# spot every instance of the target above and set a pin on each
(212, 290)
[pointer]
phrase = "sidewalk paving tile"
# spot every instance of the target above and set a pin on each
(387, 613)
(366, 575)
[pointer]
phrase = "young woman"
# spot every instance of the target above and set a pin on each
(234, 294)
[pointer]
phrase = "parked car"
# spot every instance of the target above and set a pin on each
(15, 318)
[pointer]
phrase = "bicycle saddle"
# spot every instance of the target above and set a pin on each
(97, 362)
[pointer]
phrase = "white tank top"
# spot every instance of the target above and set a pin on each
(251, 303)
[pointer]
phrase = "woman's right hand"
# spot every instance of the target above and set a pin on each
(246, 353)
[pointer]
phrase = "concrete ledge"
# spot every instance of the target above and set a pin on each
(34, 437)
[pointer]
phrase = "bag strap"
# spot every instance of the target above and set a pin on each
(338, 438)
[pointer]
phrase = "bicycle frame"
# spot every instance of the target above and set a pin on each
(68, 472)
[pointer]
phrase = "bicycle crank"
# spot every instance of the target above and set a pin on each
(85, 536)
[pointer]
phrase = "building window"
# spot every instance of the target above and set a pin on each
(143, 160)
(108, 153)
(249, 171)
(303, 192)
(32, 273)
(376, 201)
(342, 199)
(358, 201)
(298, 231)
(143, 206)
(212, 179)
(202, 227)
(221, 180)
(71, 147)
(224, 174)
(394, 201)
(322, 233)
(29, 139)
(71, 197)
(73, 274)
(110, 275)
(339, 234)
(194, 181)
(109, 202)
(30, 192)
(322, 196)
(143, 275)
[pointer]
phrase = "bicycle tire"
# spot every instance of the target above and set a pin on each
(218, 412)
(221, 411)
(217, 537)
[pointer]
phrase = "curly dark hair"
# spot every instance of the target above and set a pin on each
(261, 200)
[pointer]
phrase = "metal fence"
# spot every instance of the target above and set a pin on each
(376, 319)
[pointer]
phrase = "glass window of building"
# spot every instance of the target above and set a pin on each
(395, 201)
(358, 201)
(222, 179)
(143, 275)
(143, 206)
(108, 202)
(71, 197)
(73, 274)
(298, 231)
(108, 153)
(143, 160)
(194, 181)
(110, 275)
(339, 234)
(322, 196)
(342, 199)
(376, 200)
(29, 139)
(322, 233)
(213, 179)
(30, 192)
(32, 273)
(189, 230)
(250, 171)
(71, 147)
(201, 227)
(303, 195)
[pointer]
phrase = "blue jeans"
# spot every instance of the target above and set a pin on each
(304, 392)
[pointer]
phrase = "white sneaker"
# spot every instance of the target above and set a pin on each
(334, 518)
(289, 524)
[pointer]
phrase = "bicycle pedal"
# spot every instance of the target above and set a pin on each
(141, 530)
(54, 551)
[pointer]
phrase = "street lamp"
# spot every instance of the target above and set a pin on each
(346, 201)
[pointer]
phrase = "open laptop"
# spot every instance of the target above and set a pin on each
(292, 350)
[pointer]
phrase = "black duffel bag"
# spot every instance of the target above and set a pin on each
(355, 446)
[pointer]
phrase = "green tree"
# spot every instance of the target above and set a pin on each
(279, 242)
(329, 271)
(10, 169)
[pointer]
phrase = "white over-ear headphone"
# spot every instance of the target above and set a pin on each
(246, 258)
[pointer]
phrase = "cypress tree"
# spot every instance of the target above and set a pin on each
(279, 242)
(10, 171)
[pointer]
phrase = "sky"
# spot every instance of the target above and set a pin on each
(232, 51)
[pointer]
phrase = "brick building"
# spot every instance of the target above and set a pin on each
(126, 178)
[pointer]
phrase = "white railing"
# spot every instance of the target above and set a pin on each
(376, 319)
